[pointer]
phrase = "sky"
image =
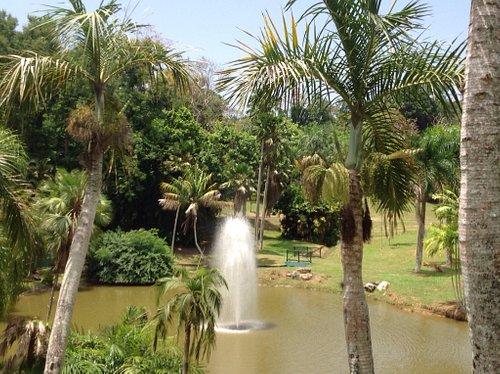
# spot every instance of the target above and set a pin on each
(202, 27)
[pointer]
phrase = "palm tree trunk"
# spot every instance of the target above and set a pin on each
(187, 341)
(264, 204)
(257, 200)
(356, 316)
(51, 299)
(420, 210)
(175, 228)
(195, 232)
(73, 271)
(479, 209)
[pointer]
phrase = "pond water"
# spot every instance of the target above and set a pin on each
(306, 336)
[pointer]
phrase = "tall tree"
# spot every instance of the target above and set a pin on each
(194, 301)
(96, 46)
(366, 60)
(479, 207)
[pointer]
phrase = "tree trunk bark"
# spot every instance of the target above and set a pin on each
(73, 271)
(356, 316)
(51, 298)
(187, 340)
(420, 210)
(257, 199)
(175, 228)
(479, 211)
(264, 204)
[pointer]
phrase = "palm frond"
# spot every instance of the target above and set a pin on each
(33, 77)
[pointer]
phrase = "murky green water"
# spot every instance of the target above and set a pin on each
(307, 336)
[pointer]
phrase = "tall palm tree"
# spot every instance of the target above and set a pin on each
(58, 206)
(16, 226)
(195, 301)
(479, 211)
(438, 166)
(366, 60)
(96, 47)
(195, 191)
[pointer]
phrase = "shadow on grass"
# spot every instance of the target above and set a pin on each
(425, 273)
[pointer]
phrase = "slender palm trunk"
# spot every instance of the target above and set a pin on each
(187, 341)
(257, 200)
(356, 316)
(264, 205)
(51, 299)
(175, 228)
(420, 210)
(479, 211)
(73, 271)
(195, 232)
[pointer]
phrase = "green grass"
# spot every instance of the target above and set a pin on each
(391, 259)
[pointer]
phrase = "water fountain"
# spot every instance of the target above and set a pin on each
(234, 256)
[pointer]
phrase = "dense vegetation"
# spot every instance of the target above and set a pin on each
(133, 257)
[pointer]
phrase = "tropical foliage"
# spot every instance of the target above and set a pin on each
(368, 61)
(305, 220)
(193, 302)
(125, 347)
(16, 225)
(133, 257)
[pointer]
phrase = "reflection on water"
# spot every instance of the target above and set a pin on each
(306, 336)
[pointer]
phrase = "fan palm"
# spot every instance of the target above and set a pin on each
(97, 47)
(59, 203)
(367, 60)
(194, 302)
(195, 191)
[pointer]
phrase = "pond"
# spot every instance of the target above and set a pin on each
(306, 336)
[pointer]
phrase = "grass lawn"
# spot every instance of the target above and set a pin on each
(392, 260)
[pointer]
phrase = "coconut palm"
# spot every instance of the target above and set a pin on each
(479, 211)
(58, 206)
(438, 166)
(195, 191)
(367, 60)
(194, 302)
(242, 180)
(96, 47)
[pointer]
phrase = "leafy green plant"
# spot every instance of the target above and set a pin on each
(125, 347)
(305, 220)
(134, 257)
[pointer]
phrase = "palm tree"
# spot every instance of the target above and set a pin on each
(175, 195)
(58, 205)
(16, 226)
(242, 179)
(194, 301)
(195, 191)
(96, 47)
(479, 210)
(366, 60)
(438, 166)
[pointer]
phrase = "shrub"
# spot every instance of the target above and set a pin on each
(304, 220)
(125, 347)
(134, 257)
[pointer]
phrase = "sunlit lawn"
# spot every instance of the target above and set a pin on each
(391, 260)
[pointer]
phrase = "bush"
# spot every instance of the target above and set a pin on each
(304, 220)
(125, 347)
(134, 257)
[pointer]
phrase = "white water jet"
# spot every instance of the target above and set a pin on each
(234, 256)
